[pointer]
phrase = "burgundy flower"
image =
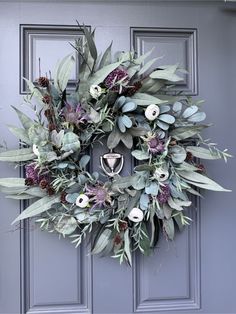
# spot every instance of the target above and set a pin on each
(117, 239)
(164, 194)
(156, 146)
(32, 173)
(33, 176)
(98, 195)
(115, 76)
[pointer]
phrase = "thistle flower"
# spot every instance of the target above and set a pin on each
(75, 115)
(98, 195)
(155, 145)
(114, 77)
(164, 194)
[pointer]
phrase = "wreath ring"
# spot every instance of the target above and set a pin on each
(128, 102)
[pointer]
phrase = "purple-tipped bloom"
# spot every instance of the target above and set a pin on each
(75, 115)
(98, 195)
(115, 76)
(32, 173)
(156, 146)
(163, 194)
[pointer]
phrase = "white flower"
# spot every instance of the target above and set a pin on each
(82, 201)
(161, 174)
(136, 215)
(95, 91)
(152, 112)
(36, 150)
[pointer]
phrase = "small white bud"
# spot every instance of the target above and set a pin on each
(152, 112)
(82, 201)
(95, 91)
(136, 215)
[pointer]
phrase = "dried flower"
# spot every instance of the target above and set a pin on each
(43, 81)
(114, 77)
(163, 194)
(48, 113)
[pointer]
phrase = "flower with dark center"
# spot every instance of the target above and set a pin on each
(114, 77)
(155, 145)
(43, 81)
(163, 194)
(98, 196)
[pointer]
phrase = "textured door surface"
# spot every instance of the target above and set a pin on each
(196, 272)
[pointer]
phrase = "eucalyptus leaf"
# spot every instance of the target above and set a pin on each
(129, 106)
(178, 154)
(20, 134)
(168, 225)
(66, 225)
(167, 118)
(202, 153)
(140, 155)
(102, 241)
(189, 111)
(23, 154)
(126, 121)
(84, 160)
(38, 207)
(182, 133)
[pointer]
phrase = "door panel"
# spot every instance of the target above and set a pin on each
(41, 274)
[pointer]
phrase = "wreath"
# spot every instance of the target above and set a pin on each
(126, 103)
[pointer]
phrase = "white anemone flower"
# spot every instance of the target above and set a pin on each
(95, 91)
(152, 112)
(136, 215)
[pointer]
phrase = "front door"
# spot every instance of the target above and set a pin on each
(195, 272)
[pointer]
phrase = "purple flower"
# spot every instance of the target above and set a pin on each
(34, 175)
(156, 146)
(115, 76)
(98, 195)
(75, 115)
(164, 194)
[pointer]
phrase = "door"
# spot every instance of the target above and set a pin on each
(196, 272)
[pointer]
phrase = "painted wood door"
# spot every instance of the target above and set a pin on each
(196, 272)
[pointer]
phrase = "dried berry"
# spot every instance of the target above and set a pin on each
(123, 225)
(46, 99)
(189, 156)
(43, 183)
(50, 190)
(29, 181)
(51, 127)
(63, 197)
(43, 81)
(117, 239)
